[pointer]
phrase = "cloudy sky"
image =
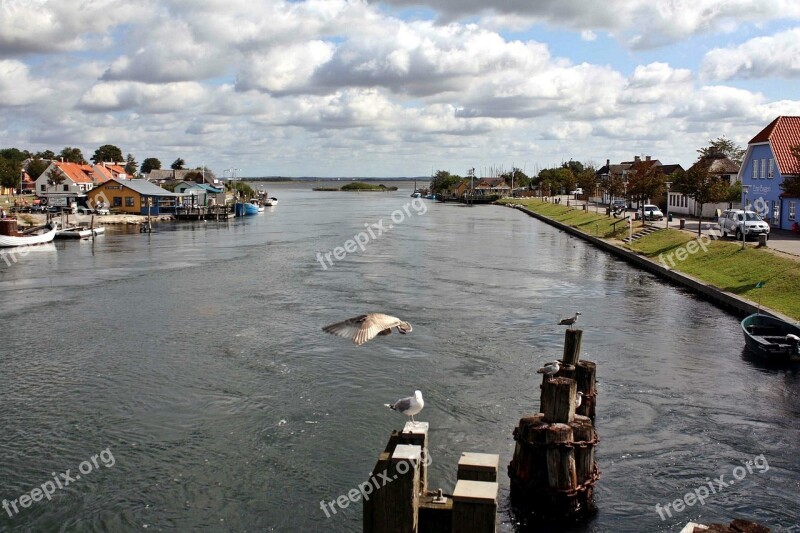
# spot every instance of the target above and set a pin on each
(394, 88)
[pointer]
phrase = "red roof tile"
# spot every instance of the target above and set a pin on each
(782, 133)
(77, 173)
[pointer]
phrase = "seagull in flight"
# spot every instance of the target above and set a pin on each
(366, 327)
(569, 321)
(550, 369)
(408, 406)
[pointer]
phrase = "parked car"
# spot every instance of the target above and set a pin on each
(738, 222)
(652, 212)
(576, 191)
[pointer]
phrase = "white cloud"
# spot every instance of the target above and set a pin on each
(123, 95)
(17, 88)
(775, 56)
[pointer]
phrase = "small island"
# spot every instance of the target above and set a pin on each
(358, 186)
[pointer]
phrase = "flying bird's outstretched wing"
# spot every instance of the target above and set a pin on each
(366, 327)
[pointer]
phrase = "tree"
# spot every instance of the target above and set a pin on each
(551, 180)
(614, 185)
(130, 165)
(645, 180)
(72, 155)
(702, 186)
(516, 177)
(151, 163)
(14, 154)
(47, 154)
(587, 180)
(733, 194)
(791, 182)
(442, 181)
(55, 177)
(178, 164)
(36, 166)
(9, 172)
(108, 153)
(723, 147)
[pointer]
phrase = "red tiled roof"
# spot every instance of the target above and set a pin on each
(782, 133)
(75, 172)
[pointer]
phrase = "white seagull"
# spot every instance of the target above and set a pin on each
(550, 369)
(569, 321)
(578, 399)
(408, 406)
(366, 327)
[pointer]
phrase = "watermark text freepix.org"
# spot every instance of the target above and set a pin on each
(59, 481)
(371, 233)
(703, 492)
(366, 488)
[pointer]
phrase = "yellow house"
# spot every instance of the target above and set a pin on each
(136, 197)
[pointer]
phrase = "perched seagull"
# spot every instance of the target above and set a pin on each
(408, 406)
(578, 399)
(569, 321)
(550, 369)
(366, 327)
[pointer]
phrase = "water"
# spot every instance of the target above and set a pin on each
(195, 356)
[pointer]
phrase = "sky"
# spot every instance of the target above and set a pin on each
(351, 88)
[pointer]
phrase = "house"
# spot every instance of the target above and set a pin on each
(136, 197)
(488, 186)
(107, 171)
(161, 176)
(621, 170)
(460, 189)
(201, 194)
(75, 181)
(767, 161)
(720, 167)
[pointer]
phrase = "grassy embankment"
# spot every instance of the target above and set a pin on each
(596, 224)
(723, 264)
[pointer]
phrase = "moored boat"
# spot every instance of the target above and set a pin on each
(9, 236)
(79, 232)
(269, 202)
(772, 338)
(246, 209)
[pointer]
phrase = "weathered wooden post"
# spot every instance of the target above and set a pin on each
(553, 469)
(395, 505)
(474, 506)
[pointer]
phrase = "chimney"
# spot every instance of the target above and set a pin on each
(647, 158)
(636, 159)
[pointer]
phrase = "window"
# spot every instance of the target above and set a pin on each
(129, 201)
(776, 212)
(116, 201)
(771, 169)
(43, 187)
(66, 188)
(792, 210)
(755, 169)
(763, 168)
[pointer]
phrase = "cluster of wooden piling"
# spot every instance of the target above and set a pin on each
(402, 502)
(554, 468)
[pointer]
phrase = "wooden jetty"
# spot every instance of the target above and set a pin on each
(403, 503)
(212, 212)
(553, 470)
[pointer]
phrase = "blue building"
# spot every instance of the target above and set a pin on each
(767, 161)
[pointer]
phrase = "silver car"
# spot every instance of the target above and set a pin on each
(739, 222)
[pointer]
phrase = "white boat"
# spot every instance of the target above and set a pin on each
(79, 232)
(269, 202)
(43, 234)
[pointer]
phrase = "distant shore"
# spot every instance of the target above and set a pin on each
(358, 186)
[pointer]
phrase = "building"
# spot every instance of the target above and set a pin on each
(767, 162)
(489, 186)
(135, 197)
(722, 168)
(621, 171)
(200, 194)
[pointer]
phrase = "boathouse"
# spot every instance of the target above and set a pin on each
(135, 197)
(200, 194)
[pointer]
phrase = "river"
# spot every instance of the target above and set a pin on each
(193, 357)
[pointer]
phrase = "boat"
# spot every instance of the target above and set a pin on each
(79, 232)
(772, 338)
(269, 202)
(9, 236)
(245, 209)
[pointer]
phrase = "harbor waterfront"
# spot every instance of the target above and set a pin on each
(194, 355)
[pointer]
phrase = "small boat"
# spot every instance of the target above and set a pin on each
(416, 194)
(11, 237)
(772, 338)
(245, 209)
(269, 202)
(79, 232)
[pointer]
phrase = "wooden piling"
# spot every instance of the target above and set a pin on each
(585, 378)
(474, 506)
(395, 506)
(572, 346)
(416, 434)
(478, 466)
(560, 459)
(558, 400)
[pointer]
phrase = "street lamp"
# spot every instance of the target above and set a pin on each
(745, 188)
(668, 184)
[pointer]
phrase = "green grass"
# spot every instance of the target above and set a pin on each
(591, 223)
(727, 266)
(720, 263)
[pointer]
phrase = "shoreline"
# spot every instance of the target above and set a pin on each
(719, 297)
